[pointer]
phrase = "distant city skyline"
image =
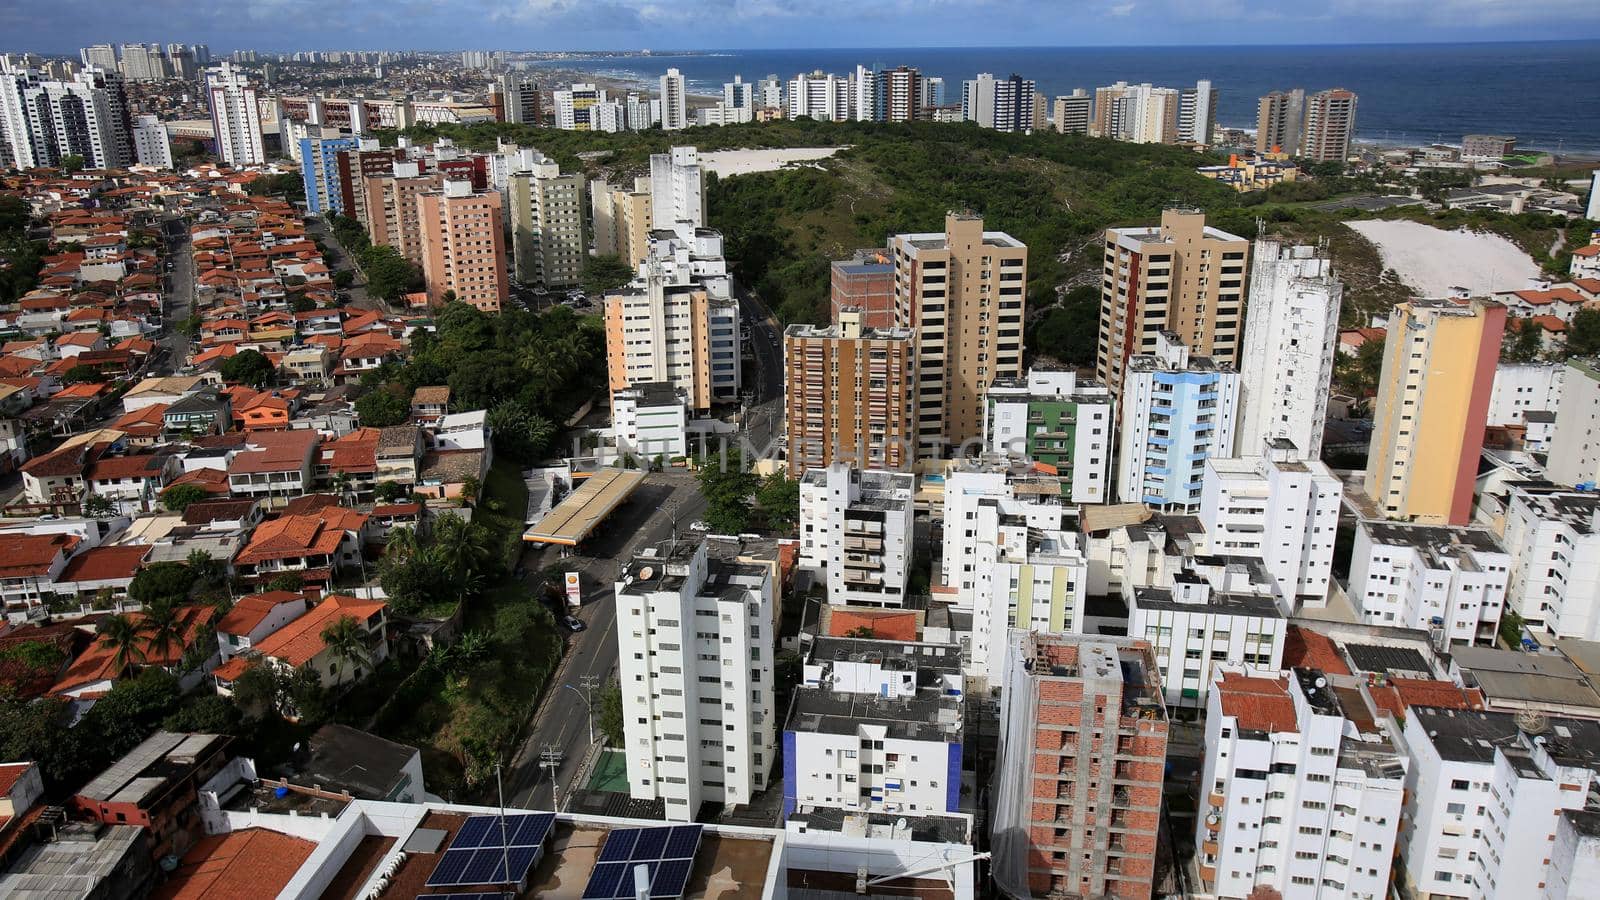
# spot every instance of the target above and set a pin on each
(61, 26)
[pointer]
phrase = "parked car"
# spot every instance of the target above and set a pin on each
(575, 624)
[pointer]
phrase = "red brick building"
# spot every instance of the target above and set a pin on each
(865, 282)
(157, 786)
(1083, 753)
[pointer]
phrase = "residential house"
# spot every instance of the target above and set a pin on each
(133, 483)
(156, 786)
(399, 454)
(299, 644)
(429, 404)
(256, 617)
(274, 466)
(108, 568)
(314, 545)
(98, 668)
(29, 565)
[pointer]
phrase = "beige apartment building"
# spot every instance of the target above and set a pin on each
(1074, 112)
(1330, 125)
(1279, 122)
(547, 225)
(658, 331)
(963, 294)
(1429, 414)
(621, 220)
(1182, 276)
(392, 208)
(849, 395)
(465, 246)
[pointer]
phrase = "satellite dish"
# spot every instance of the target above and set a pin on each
(647, 572)
(1321, 682)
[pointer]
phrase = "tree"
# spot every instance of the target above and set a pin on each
(461, 548)
(189, 327)
(343, 278)
(162, 580)
(604, 273)
(72, 162)
(389, 274)
(611, 721)
(301, 303)
(727, 489)
(208, 714)
(81, 374)
(98, 506)
(178, 497)
(382, 407)
(779, 499)
(248, 367)
(288, 581)
(163, 628)
(257, 690)
(1067, 332)
(207, 571)
(290, 185)
(1583, 333)
(121, 634)
(389, 491)
(1523, 340)
(348, 642)
(1359, 375)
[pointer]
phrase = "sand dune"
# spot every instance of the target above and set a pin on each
(1433, 262)
(743, 162)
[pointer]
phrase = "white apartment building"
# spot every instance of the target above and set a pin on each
(1279, 510)
(43, 121)
(1429, 576)
(1177, 410)
(969, 483)
(547, 207)
(856, 531)
(575, 104)
(1291, 329)
(738, 93)
(1521, 388)
(235, 118)
(1225, 614)
(820, 96)
(1553, 536)
(651, 421)
(696, 642)
(769, 92)
(677, 191)
(674, 102)
(1575, 858)
(1485, 794)
(1575, 448)
(151, 145)
(1052, 417)
(875, 727)
(1299, 796)
(1030, 573)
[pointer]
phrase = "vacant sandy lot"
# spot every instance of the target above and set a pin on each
(743, 162)
(1432, 261)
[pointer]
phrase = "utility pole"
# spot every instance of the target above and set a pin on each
(550, 760)
(505, 842)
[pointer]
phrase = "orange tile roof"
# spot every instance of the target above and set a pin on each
(238, 865)
(98, 661)
(888, 625)
(1591, 250)
(1259, 704)
(1399, 694)
(293, 536)
(1303, 647)
(299, 642)
(107, 563)
(11, 773)
(249, 611)
(25, 555)
(276, 451)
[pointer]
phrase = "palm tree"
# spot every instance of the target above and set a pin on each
(461, 549)
(163, 626)
(341, 484)
(346, 640)
(124, 635)
(401, 543)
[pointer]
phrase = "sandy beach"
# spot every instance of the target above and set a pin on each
(1433, 261)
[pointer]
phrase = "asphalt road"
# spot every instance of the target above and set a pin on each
(665, 500)
(179, 293)
(316, 226)
(763, 420)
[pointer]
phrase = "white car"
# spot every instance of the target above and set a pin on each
(699, 527)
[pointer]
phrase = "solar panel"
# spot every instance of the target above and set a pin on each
(625, 889)
(482, 869)
(682, 843)
(619, 845)
(497, 895)
(532, 830)
(448, 871)
(472, 832)
(651, 843)
(604, 879)
(671, 878)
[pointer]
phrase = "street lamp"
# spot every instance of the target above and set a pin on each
(587, 708)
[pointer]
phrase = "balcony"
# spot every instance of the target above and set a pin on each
(1208, 873)
(1215, 799)
(1209, 848)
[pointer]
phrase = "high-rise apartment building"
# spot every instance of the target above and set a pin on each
(1574, 456)
(356, 167)
(1290, 333)
(574, 107)
(1553, 536)
(1197, 113)
(546, 221)
(866, 95)
(143, 62)
(1178, 410)
(769, 93)
(1057, 421)
(100, 56)
(932, 92)
(621, 220)
(42, 122)
(962, 293)
(1115, 106)
(1277, 508)
(1448, 580)
(1074, 112)
(821, 96)
(677, 191)
(151, 145)
(1005, 104)
(1083, 747)
(902, 94)
(1155, 115)
(849, 395)
(856, 531)
(1433, 398)
(1487, 147)
(1330, 125)
(738, 93)
(319, 169)
(674, 102)
(1303, 788)
(392, 207)
(518, 98)
(463, 236)
(696, 652)
(235, 120)
(863, 284)
(1280, 122)
(1181, 276)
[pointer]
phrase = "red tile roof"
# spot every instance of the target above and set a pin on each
(238, 865)
(212, 481)
(98, 662)
(1305, 648)
(24, 555)
(110, 468)
(277, 451)
(108, 563)
(887, 625)
(1399, 694)
(295, 536)
(11, 773)
(299, 642)
(250, 611)
(1259, 704)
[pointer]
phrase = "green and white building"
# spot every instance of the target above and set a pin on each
(1054, 419)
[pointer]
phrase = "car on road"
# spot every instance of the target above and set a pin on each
(575, 624)
(699, 527)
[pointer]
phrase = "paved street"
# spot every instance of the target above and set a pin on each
(665, 499)
(763, 420)
(179, 292)
(316, 226)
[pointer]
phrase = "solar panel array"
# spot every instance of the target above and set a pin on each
(667, 853)
(492, 850)
(497, 895)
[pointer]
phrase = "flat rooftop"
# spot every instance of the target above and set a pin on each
(576, 516)
(1468, 735)
(924, 717)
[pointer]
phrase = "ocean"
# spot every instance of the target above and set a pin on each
(1547, 94)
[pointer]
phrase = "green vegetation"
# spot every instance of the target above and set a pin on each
(20, 258)
(431, 575)
(1511, 629)
(611, 713)
(389, 275)
(604, 273)
(1583, 333)
(383, 407)
(290, 186)
(248, 367)
(737, 500)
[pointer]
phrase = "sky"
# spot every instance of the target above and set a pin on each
(60, 26)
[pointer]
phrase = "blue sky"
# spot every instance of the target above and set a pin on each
(62, 25)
